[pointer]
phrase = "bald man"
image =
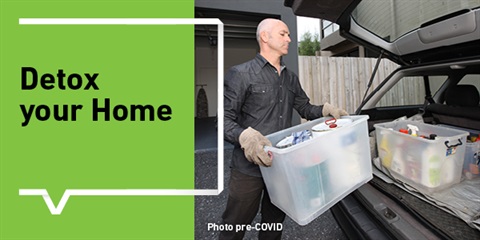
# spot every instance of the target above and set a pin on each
(259, 98)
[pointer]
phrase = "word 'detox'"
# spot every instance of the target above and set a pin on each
(48, 81)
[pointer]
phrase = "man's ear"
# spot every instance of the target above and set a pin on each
(264, 36)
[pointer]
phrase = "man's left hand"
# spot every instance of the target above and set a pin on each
(329, 109)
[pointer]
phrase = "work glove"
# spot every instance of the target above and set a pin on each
(329, 109)
(252, 143)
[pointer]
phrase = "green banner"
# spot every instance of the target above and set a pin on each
(96, 107)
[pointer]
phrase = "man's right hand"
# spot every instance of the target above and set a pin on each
(252, 143)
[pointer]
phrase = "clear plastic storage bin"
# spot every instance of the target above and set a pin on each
(308, 178)
(427, 165)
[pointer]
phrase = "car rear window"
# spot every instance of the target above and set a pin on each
(472, 79)
(392, 19)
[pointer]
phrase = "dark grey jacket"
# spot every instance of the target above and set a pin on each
(255, 96)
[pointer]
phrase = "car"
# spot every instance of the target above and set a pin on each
(437, 45)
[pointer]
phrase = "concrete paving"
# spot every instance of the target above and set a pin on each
(208, 209)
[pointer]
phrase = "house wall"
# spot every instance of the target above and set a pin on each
(265, 7)
(236, 51)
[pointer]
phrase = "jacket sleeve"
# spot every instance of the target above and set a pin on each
(234, 96)
(302, 102)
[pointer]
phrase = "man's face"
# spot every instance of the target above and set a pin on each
(279, 38)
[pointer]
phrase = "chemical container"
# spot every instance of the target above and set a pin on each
(308, 178)
(426, 163)
(471, 166)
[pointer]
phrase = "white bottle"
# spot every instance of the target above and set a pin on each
(431, 168)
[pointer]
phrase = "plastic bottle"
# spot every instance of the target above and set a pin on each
(384, 152)
(398, 164)
(431, 168)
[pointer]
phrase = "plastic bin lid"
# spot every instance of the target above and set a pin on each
(332, 125)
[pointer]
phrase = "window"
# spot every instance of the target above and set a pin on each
(471, 80)
(410, 91)
(392, 19)
(328, 28)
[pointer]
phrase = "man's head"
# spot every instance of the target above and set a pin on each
(273, 37)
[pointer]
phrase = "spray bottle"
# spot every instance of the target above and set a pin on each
(412, 129)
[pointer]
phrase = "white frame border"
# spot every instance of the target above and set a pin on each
(56, 210)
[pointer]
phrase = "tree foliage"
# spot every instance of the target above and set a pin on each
(308, 44)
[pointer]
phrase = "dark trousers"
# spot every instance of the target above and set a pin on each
(245, 194)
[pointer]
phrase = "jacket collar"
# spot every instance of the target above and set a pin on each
(261, 62)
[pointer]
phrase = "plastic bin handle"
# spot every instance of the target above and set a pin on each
(452, 146)
(268, 151)
(270, 154)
